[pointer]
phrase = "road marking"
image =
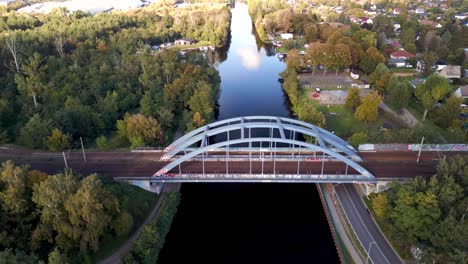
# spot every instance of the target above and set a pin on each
(365, 227)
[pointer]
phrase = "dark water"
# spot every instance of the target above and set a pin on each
(249, 223)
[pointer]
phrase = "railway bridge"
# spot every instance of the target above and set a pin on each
(259, 149)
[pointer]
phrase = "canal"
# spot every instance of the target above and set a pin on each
(249, 223)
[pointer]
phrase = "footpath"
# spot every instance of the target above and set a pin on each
(116, 257)
(340, 225)
(404, 116)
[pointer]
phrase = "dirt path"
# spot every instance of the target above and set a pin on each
(405, 115)
(127, 246)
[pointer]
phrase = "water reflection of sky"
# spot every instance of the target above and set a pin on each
(249, 78)
(250, 58)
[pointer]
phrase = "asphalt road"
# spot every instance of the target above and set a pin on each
(372, 240)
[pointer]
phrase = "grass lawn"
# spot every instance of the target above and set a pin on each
(342, 121)
(135, 201)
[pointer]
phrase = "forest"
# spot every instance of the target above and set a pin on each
(66, 217)
(70, 75)
(429, 213)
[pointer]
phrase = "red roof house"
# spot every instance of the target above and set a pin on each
(401, 54)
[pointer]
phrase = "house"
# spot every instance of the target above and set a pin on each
(401, 54)
(397, 11)
(462, 92)
(419, 11)
(429, 23)
(451, 72)
(438, 66)
(185, 41)
(398, 63)
(287, 36)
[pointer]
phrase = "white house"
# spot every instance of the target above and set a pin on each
(287, 36)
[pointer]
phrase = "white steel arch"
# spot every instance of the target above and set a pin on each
(205, 149)
(327, 142)
(281, 124)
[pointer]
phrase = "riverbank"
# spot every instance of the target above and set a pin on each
(347, 242)
(152, 219)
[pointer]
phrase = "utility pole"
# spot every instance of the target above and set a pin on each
(82, 148)
(420, 148)
(65, 159)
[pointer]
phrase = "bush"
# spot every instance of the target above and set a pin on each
(358, 138)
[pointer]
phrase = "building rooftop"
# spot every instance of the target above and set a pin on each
(402, 53)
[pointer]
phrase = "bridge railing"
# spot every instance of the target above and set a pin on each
(413, 147)
(217, 177)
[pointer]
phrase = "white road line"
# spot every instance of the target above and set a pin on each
(365, 227)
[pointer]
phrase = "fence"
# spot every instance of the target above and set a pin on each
(413, 147)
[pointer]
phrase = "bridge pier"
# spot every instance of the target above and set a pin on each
(147, 185)
(376, 187)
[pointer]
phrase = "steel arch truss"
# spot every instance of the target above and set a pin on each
(281, 131)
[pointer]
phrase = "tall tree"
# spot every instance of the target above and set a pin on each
(435, 88)
(369, 109)
(32, 81)
(353, 100)
(90, 211)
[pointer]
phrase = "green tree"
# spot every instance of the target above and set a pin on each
(50, 197)
(314, 55)
(358, 138)
(102, 143)
(146, 247)
(353, 100)
(448, 113)
(380, 70)
(32, 81)
(367, 64)
(308, 113)
(35, 131)
(7, 257)
(90, 212)
(13, 195)
(408, 38)
(123, 224)
(369, 109)
(57, 140)
(202, 101)
(56, 257)
(294, 59)
(399, 93)
(139, 129)
(380, 205)
(434, 89)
